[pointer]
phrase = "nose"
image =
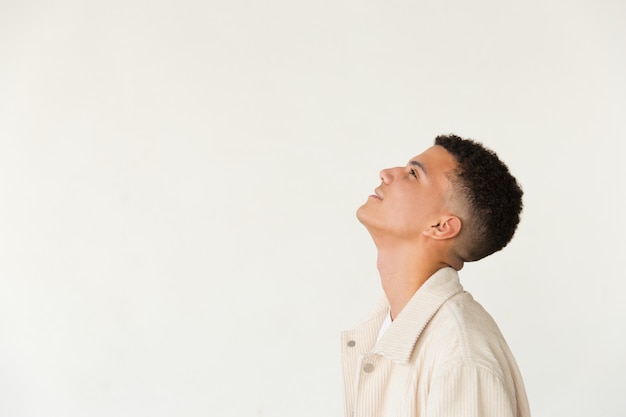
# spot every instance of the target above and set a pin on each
(386, 175)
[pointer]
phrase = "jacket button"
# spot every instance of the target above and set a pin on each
(351, 343)
(368, 367)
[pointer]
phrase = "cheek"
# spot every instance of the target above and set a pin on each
(407, 215)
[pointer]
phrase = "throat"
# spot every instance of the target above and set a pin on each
(402, 276)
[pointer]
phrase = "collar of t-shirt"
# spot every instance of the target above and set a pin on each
(384, 326)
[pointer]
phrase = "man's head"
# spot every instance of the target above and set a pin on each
(490, 194)
(456, 199)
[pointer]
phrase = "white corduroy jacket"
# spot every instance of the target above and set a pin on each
(442, 356)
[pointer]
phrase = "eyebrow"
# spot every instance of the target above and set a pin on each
(420, 166)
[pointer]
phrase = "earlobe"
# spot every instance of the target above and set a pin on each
(447, 228)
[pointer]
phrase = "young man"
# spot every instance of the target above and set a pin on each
(427, 348)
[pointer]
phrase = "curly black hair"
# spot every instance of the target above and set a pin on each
(492, 196)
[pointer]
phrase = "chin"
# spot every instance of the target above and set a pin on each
(365, 216)
(360, 213)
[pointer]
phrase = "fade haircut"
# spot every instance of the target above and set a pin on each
(492, 196)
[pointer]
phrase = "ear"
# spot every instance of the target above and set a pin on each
(446, 228)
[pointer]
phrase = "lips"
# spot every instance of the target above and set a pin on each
(378, 194)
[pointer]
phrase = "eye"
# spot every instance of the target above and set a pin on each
(412, 171)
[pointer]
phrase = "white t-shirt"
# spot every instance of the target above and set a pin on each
(384, 326)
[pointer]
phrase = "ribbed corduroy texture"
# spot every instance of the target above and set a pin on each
(442, 356)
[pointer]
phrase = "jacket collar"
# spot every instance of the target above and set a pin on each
(399, 340)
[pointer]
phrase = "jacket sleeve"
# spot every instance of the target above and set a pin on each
(471, 390)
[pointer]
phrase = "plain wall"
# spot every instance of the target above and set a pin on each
(179, 181)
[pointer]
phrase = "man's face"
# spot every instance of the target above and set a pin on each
(412, 198)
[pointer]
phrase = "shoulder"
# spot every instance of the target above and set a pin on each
(468, 364)
(463, 334)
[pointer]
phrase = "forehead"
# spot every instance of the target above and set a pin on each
(435, 160)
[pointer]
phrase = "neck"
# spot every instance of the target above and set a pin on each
(402, 272)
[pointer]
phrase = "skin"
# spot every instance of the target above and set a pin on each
(414, 218)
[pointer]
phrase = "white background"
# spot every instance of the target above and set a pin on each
(178, 183)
